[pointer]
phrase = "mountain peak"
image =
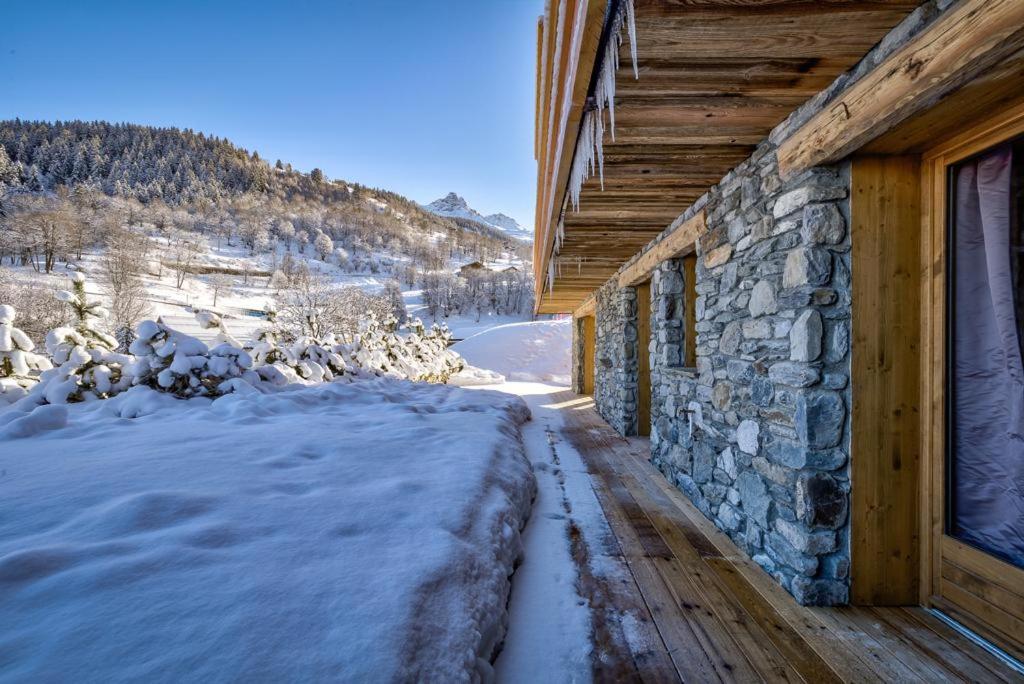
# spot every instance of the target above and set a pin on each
(455, 206)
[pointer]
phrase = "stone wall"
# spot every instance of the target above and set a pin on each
(757, 435)
(615, 360)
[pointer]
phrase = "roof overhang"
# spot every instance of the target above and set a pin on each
(714, 78)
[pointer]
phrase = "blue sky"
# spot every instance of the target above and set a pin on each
(416, 97)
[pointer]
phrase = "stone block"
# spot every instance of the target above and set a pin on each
(819, 418)
(762, 391)
(819, 592)
(805, 337)
(821, 501)
(793, 374)
(807, 266)
(747, 436)
(703, 462)
(762, 299)
(823, 224)
(753, 496)
(795, 200)
(814, 542)
(731, 338)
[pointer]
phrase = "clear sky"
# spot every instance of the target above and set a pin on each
(419, 97)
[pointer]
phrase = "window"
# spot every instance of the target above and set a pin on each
(678, 313)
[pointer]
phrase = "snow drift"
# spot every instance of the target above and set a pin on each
(537, 351)
(350, 532)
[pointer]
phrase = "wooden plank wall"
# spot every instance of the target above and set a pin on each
(885, 461)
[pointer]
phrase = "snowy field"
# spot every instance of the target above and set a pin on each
(537, 351)
(357, 532)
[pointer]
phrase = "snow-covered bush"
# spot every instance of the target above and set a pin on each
(419, 355)
(170, 361)
(305, 359)
(208, 320)
(86, 365)
(19, 364)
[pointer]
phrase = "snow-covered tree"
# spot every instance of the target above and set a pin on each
(86, 364)
(19, 364)
(323, 246)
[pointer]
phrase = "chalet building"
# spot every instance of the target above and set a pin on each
(790, 234)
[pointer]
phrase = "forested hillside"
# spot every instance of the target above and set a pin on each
(140, 200)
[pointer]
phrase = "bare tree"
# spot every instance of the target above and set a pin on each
(183, 250)
(220, 283)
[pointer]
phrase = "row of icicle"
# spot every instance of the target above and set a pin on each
(589, 157)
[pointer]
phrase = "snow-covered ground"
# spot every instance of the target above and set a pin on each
(537, 351)
(357, 532)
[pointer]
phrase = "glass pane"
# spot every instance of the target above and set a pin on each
(986, 403)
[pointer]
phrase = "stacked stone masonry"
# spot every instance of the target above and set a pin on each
(757, 434)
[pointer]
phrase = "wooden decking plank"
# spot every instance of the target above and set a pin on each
(851, 665)
(714, 607)
(929, 645)
(755, 645)
(951, 641)
(902, 650)
(689, 659)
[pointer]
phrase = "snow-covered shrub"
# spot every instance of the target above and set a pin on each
(170, 361)
(19, 364)
(419, 355)
(305, 359)
(86, 365)
(208, 320)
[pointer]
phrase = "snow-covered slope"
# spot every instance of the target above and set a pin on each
(144, 538)
(537, 351)
(453, 205)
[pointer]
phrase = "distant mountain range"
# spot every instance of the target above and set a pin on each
(453, 206)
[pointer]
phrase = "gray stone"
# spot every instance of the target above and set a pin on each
(793, 374)
(703, 462)
(787, 454)
(721, 396)
(805, 337)
(762, 299)
(753, 496)
(731, 338)
(837, 342)
(795, 200)
(747, 435)
(757, 329)
(821, 501)
(819, 592)
(727, 462)
(823, 224)
(819, 418)
(783, 552)
(741, 372)
(807, 541)
(807, 266)
(762, 391)
(729, 275)
(729, 516)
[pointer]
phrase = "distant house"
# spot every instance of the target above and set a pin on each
(472, 267)
(510, 269)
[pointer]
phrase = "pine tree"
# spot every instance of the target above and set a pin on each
(88, 367)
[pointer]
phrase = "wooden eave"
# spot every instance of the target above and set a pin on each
(715, 77)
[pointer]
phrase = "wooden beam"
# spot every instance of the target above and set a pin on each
(971, 38)
(587, 308)
(681, 241)
(885, 220)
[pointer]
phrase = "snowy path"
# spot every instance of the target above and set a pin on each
(560, 604)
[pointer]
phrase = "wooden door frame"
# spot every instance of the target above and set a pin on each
(643, 358)
(1002, 583)
(589, 324)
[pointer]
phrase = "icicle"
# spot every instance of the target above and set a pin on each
(579, 265)
(631, 29)
(589, 157)
(551, 276)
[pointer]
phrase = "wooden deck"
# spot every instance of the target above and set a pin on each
(709, 613)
